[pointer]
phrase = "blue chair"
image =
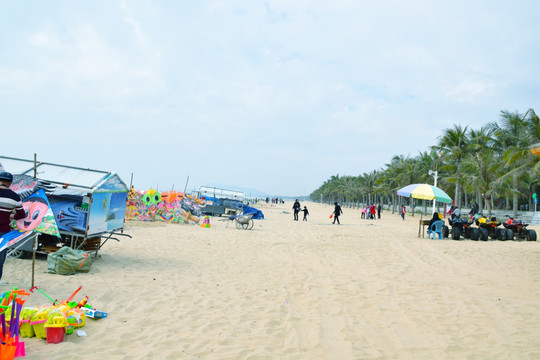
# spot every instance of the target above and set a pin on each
(436, 228)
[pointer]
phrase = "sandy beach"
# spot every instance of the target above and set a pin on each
(298, 290)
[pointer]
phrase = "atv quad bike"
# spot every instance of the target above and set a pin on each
(462, 227)
(490, 229)
(518, 229)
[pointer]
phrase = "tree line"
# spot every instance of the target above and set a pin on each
(492, 166)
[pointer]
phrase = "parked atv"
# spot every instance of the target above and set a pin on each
(462, 227)
(490, 229)
(518, 229)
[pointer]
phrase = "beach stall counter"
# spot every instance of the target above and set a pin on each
(221, 201)
(89, 206)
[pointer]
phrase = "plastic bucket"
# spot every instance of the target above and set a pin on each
(27, 330)
(55, 335)
(39, 330)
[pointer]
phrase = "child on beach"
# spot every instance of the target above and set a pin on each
(403, 209)
(306, 213)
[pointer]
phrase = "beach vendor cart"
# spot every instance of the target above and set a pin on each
(221, 201)
(89, 205)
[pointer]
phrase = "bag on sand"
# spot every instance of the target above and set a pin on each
(67, 261)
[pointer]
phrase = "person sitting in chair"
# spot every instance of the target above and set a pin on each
(432, 228)
(434, 218)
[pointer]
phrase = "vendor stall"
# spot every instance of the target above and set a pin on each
(89, 206)
(221, 201)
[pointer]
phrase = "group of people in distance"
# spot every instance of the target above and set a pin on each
(297, 208)
(337, 212)
(369, 211)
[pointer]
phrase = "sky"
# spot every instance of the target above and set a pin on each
(273, 95)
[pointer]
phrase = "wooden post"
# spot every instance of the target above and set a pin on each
(185, 187)
(34, 248)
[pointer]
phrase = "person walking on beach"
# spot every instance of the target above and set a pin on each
(379, 208)
(10, 208)
(403, 210)
(306, 213)
(337, 212)
(296, 208)
(372, 210)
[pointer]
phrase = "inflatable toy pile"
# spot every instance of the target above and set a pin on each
(50, 322)
(169, 206)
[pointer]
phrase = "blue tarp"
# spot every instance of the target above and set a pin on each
(257, 214)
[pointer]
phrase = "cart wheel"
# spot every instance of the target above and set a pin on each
(248, 225)
(238, 225)
(19, 254)
(531, 235)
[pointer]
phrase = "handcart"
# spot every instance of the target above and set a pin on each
(243, 221)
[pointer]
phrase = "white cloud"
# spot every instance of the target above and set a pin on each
(282, 80)
(42, 39)
(468, 90)
(140, 35)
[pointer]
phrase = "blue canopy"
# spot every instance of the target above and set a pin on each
(257, 214)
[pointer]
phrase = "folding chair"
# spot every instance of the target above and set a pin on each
(436, 228)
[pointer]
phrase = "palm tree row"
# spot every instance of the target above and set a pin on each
(491, 166)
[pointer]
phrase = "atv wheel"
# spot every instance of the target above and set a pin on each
(531, 235)
(445, 232)
(483, 234)
(475, 234)
(509, 234)
(501, 234)
(456, 232)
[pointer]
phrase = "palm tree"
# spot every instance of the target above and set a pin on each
(453, 146)
(511, 137)
(482, 164)
(495, 161)
(389, 179)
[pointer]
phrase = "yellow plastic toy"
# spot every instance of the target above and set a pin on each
(38, 322)
(26, 328)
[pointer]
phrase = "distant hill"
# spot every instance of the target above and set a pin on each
(254, 193)
(249, 192)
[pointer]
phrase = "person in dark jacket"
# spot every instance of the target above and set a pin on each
(10, 209)
(296, 208)
(337, 213)
(433, 219)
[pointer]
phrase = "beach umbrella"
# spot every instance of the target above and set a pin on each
(424, 192)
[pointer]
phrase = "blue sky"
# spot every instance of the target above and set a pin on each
(272, 95)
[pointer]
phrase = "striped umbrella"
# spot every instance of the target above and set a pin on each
(424, 192)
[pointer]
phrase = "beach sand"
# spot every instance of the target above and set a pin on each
(298, 290)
